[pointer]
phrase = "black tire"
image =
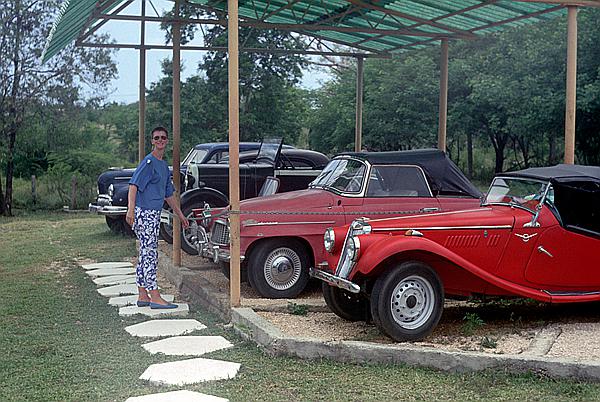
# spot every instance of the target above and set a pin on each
(407, 302)
(125, 229)
(114, 224)
(166, 232)
(349, 306)
(278, 268)
(224, 266)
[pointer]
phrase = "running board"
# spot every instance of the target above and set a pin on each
(565, 293)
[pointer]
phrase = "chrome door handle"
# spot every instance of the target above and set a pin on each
(433, 209)
(543, 250)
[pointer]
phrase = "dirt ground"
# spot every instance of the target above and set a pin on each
(496, 326)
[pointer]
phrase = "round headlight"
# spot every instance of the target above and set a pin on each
(111, 190)
(329, 239)
(353, 248)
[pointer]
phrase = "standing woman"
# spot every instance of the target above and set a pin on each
(149, 187)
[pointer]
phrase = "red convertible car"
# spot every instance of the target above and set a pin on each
(536, 235)
(282, 234)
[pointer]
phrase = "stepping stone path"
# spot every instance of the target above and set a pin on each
(187, 345)
(110, 271)
(156, 328)
(130, 300)
(190, 371)
(181, 310)
(123, 294)
(177, 396)
(114, 280)
(101, 265)
(118, 290)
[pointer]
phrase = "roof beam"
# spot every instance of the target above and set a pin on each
(423, 21)
(582, 3)
(246, 50)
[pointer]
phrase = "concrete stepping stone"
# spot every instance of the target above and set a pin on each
(100, 265)
(181, 311)
(122, 301)
(190, 371)
(114, 280)
(110, 271)
(177, 396)
(187, 345)
(118, 290)
(156, 328)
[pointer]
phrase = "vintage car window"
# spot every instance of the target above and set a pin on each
(344, 175)
(578, 204)
(195, 156)
(517, 192)
(218, 157)
(397, 181)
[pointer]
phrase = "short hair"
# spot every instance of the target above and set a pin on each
(161, 129)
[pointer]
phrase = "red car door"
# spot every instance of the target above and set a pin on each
(565, 258)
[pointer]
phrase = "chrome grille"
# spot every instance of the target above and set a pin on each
(220, 233)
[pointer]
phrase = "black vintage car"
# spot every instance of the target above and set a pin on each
(113, 185)
(208, 183)
(205, 176)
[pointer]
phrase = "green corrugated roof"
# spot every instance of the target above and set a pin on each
(367, 25)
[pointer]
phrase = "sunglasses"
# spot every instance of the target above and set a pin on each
(160, 137)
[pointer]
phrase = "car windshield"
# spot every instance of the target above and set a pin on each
(194, 156)
(269, 149)
(345, 175)
(522, 193)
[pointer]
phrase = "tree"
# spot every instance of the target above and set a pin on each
(26, 85)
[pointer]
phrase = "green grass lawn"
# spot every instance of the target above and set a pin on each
(61, 341)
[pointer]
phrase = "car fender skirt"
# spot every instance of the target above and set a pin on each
(393, 246)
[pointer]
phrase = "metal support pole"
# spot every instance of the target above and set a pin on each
(443, 112)
(176, 133)
(571, 85)
(234, 158)
(142, 89)
(359, 103)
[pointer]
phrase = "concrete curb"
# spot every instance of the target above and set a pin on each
(251, 326)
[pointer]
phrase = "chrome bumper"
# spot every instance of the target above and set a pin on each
(334, 280)
(107, 210)
(216, 253)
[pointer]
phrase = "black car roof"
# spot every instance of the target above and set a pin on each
(561, 173)
(444, 176)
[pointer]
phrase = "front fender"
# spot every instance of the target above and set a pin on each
(393, 246)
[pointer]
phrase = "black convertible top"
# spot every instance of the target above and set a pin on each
(561, 173)
(444, 176)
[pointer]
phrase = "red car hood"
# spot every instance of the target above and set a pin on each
(484, 216)
(300, 200)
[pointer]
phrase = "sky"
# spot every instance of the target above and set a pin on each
(125, 88)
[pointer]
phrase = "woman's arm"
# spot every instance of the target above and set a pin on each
(175, 205)
(131, 204)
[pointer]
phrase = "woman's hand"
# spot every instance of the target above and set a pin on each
(184, 221)
(129, 217)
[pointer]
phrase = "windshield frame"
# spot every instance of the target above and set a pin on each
(334, 190)
(547, 185)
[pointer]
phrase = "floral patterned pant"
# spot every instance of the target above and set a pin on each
(145, 226)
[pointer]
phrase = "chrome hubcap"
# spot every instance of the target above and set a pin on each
(282, 268)
(412, 302)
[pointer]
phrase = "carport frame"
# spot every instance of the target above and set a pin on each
(233, 24)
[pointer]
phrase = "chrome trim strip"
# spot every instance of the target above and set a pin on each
(287, 223)
(443, 228)
(296, 172)
(433, 214)
(334, 280)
